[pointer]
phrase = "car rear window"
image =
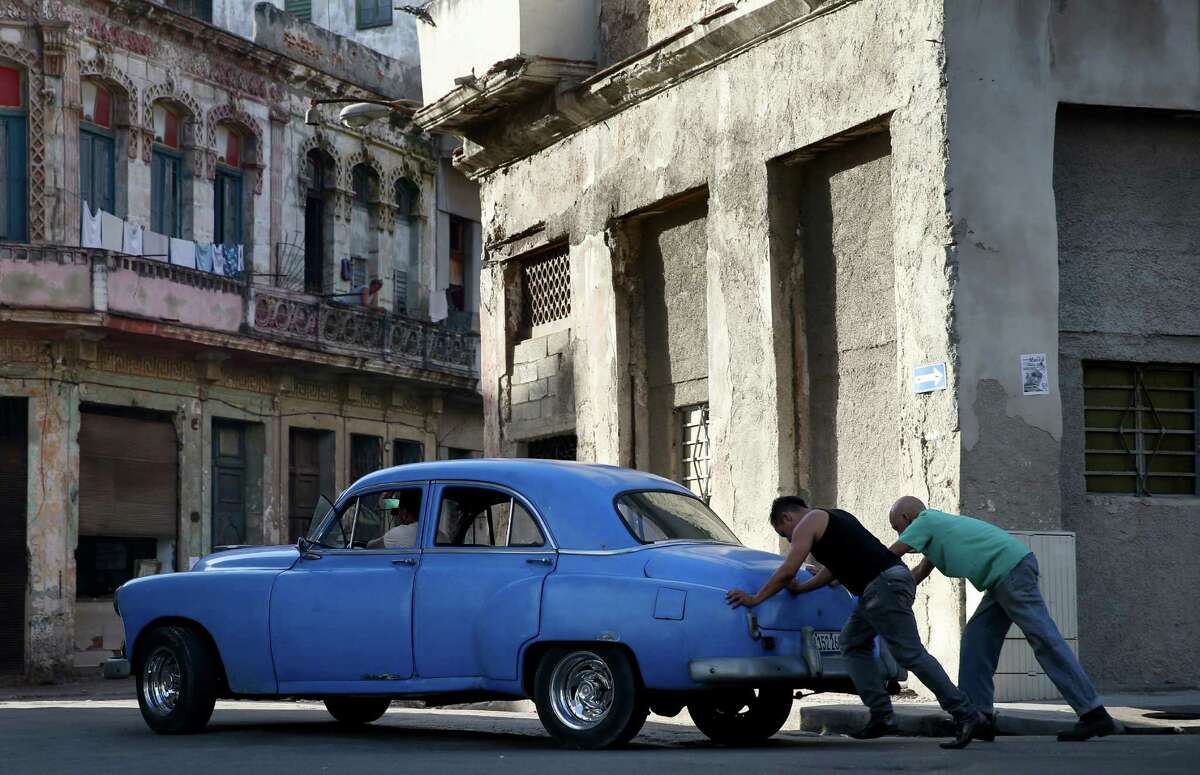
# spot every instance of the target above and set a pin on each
(654, 516)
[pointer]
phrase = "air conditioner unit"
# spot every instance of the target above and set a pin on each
(1019, 677)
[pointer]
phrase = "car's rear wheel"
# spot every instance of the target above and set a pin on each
(589, 697)
(177, 681)
(357, 710)
(741, 716)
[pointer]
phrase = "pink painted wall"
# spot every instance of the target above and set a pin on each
(45, 284)
(172, 302)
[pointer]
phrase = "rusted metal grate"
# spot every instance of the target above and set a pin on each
(546, 281)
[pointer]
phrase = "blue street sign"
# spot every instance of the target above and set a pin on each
(928, 378)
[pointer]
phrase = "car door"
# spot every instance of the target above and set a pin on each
(479, 587)
(341, 617)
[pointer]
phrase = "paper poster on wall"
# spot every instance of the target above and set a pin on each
(1035, 377)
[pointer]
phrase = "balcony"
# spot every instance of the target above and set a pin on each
(84, 287)
(485, 54)
(301, 320)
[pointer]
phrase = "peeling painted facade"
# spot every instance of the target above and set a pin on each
(884, 185)
(165, 411)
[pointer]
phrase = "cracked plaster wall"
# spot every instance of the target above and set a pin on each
(723, 129)
(1128, 202)
(850, 321)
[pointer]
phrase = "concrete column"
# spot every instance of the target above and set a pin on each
(1005, 250)
(751, 425)
(52, 527)
(274, 188)
(194, 479)
(493, 354)
(599, 352)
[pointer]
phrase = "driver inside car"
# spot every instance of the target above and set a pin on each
(403, 509)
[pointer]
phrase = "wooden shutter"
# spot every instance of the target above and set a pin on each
(13, 164)
(302, 8)
(128, 477)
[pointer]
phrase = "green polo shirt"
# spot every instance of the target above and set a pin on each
(964, 547)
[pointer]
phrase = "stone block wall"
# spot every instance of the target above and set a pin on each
(541, 393)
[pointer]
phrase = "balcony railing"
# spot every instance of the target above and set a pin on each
(85, 280)
(301, 320)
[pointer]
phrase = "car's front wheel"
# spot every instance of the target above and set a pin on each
(357, 710)
(589, 697)
(741, 716)
(177, 681)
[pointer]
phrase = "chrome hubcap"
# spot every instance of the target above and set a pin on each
(581, 690)
(160, 681)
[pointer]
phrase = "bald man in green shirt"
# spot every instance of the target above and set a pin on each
(1006, 571)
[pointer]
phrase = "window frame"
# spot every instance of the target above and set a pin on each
(380, 12)
(549, 545)
(17, 186)
(1141, 457)
(351, 500)
(98, 133)
(174, 158)
(226, 175)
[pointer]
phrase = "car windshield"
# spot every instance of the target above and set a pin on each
(666, 516)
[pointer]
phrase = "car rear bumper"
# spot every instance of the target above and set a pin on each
(811, 668)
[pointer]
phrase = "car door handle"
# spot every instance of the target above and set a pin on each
(539, 561)
(405, 561)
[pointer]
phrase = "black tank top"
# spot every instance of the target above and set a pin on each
(851, 553)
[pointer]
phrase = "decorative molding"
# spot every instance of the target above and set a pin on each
(101, 68)
(147, 365)
(316, 391)
(56, 40)
(170, 91)
(231, 114)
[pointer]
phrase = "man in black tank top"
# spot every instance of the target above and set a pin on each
(885, 590)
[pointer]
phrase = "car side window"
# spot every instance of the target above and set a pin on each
(388, 519)
(480, 516)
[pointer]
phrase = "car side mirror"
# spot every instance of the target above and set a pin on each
(389, 504)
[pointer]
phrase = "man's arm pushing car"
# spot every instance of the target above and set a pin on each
(804, 536)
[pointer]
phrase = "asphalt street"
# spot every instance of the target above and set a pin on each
(268, 738)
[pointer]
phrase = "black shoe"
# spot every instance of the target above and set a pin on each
(966, 731)
(1094, 723)
(987, 730)
(877, 727)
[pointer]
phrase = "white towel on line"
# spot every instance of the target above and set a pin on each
(89, 236)
(132, 243)
(183, 253)
(112, 232)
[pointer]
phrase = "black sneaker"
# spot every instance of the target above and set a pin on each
(987, 730)
(878, 726)
(1094, 723)
(966, 731)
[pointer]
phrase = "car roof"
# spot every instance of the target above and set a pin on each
(575, 499)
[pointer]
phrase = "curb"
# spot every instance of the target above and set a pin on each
(913, 722)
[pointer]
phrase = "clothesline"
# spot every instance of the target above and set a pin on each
(108, 232)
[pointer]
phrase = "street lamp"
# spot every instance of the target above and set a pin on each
(358, 113)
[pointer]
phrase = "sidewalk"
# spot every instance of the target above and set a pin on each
(1139, 714)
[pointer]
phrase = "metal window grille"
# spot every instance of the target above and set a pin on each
(1140, 429)
(555, 448)
(694, 452)
(546, 281)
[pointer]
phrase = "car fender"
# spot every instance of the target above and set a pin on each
(241, 633)
(581, 608)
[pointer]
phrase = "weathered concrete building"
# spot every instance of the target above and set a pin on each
(721, 239)
(184, 361)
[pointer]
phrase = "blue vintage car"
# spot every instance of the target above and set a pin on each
(594, 590)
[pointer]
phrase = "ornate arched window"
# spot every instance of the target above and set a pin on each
(14, 196)
(229, 197)
(97, 149)
(364, 231)
(166, 172)
(318, 219)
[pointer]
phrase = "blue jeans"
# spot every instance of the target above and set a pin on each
(1017, 600)
(885, 609)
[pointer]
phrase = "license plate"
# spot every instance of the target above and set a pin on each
(828, 641)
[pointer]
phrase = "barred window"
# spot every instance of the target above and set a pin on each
(694, 449)
(1140, 429)
(546, 284)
